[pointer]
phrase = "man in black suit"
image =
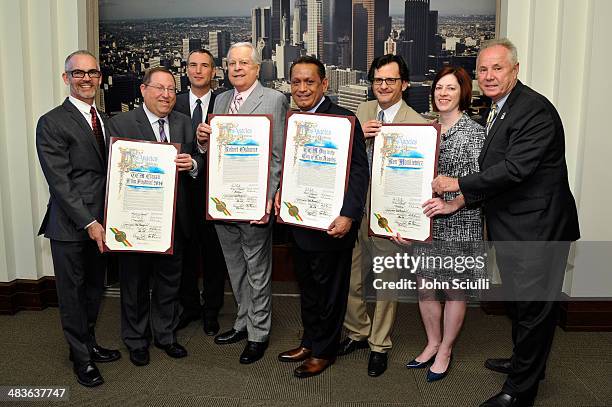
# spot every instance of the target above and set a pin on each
(530, 213)
(72, 152)
(197, 104)
(323, 259)
(158, 316)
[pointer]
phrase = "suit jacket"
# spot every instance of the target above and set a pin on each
(135, 125)
(354, 198)
(75, 170)
(198, 188)
(182, 106)
(263, 100)
(523, 181)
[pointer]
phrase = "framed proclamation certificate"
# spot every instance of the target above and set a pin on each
(315, 168)
(238, 165)
(140, 196)
(404, 164)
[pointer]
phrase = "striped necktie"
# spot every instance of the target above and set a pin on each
(235, 106)
(491, 116)
(162, 132)
(97, 130)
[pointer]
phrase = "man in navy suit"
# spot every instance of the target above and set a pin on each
(530, 214)
(70, 141)
(323, 258)
(197, 104)
(157, 315)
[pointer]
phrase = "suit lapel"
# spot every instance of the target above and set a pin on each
(499, 121)
(252, 101)
(175, 133)
(89, 137)
(402, 114)
(324, 107)
(145, 127)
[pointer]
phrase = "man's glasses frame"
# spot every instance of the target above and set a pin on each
(78, 73)
(160, 88)
(388, 81)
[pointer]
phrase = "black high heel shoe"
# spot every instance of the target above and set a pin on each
(415, 364)
(433, 377)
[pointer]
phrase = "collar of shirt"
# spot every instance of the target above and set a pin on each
(500, 102)
(245, 94)
(390, 112)
(205, 101)
(85, 108)
(314, 109)
(155, 125)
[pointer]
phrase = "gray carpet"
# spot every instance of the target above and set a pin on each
(33, 353)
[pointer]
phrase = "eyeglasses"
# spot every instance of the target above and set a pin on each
(161, 89)
(92, 73)
(388, 81)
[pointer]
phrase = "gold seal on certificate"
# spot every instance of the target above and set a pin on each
(403, 166)
(315, 168)
(238, 165)
(140, 196)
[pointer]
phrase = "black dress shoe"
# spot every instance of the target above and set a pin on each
(174, 350)
(253, 351)
(349, 345)
(377, 363)
(210, 325)
(102, 355)
(231, 336)
(88, 374)
(506, 400)
(415, 364)
(499, 365)
(139, 357)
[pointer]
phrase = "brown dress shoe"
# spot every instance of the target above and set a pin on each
(295, 355)
(312, 367)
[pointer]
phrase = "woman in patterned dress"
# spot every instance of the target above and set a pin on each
(460, 145)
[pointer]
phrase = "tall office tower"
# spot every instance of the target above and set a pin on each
(219, 43)
(300, 21)
(280, 11)
(432, 32)
(382, 26)
(314, 37)
(360, 37)
(264, 49)
(190, 44)
(416, 20)
(261, 24)
(285, 55)
(377, 26)
(344, 51)
(336, 27)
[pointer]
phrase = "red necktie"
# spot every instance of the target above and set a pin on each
(97, 130)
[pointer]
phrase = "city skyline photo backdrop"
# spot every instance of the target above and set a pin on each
(344, 34)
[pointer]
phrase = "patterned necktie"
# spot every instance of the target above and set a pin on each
(235, 106)
(491, 116)
(97, 130)
(162, 131)
(196, 119)
(370, 144)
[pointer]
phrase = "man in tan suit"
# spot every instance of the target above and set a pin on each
(389, 77)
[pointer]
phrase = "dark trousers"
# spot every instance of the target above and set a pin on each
(205, 246)
(323, 278)
(532, 277)
(79, 277)
(145, 315)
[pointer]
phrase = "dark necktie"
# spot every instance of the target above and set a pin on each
(162, 131)
(196, 119)
(97, 130)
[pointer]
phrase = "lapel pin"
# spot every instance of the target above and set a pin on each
(502, 116)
